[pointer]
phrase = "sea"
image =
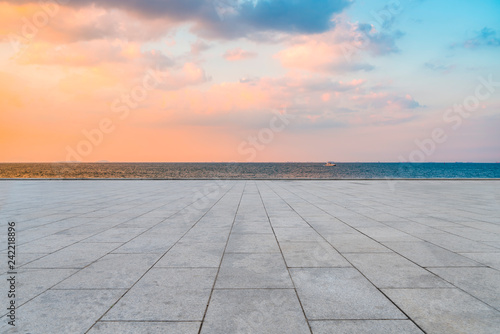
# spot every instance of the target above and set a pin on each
(292, 170)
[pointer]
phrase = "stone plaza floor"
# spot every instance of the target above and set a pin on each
(244, 256)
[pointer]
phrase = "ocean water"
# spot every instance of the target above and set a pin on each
(250, 170)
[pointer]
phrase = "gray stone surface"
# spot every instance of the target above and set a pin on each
(107, 327)
(389, 270)
(252, 227)
(386, 233)
(455, 243)
(267, 256)
(488, 259)
(208, 234)
(426, 254)
(32, 282)
(252, 243)
(77, 256)
(446, 310)
(297, 235)
(364, 327)
(355, 243)
(186, 254)
(253, 270)
(482, 283)
(166, 294)
(113, 271)
(117, 234)
(255, 311)
(149, 243)
(341, 293)
(62, 311)
(312, 254)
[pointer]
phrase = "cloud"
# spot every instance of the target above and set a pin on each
(238, 54)
(92, 53)
(385, 100)
(379, 43)
(228, 18)
(386, 16)
(299, 16)
(338, 50)
(64, 24)
(316, 101)
(318, 55)
(313, 84)
(438, 66)
(199, 46)
(485, 38)
(249, 80)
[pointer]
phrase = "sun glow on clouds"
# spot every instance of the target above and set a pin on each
(67, 65)
(239, 54)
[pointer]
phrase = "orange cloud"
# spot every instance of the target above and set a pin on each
(54, 23)
(218, 99)
(77, 66)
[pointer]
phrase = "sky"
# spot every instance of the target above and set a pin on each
(249, 80)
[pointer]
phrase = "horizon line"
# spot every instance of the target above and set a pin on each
(231, 162)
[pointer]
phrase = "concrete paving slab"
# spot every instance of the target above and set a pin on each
(253, 270)
(148, 243)
(186, 254)
(78, 255)
(355, 243)
(113, 327)
(386, 234)
(390, 270)
(297, 235)
(332, 227)
(255, 311)
(123, 234)
(429, 255)
(25, 258)
(86, 257)
(63, 311)
(291, 221)
(252, 243)
(311, 254)
(364, 327)
(142, 222)
(411, 227)
(456, 244)
(113, 271)
(49, 244)
(488, 259)
(208, 234)
(482, 283)
(166, 294)
(478, 231)
(446, 310)
(257, 227)
(32, 282)
(341, 293)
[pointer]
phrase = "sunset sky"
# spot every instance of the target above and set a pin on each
(249, 80)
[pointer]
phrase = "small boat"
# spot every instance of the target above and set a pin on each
(329, 164)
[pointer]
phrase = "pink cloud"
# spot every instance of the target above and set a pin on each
(238, 54)
(65, 24)
(325, 52)
(199, 46)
